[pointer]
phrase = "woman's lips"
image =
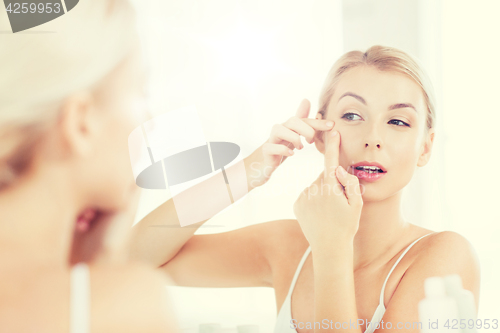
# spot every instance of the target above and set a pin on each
(367, 176)
(85, 219)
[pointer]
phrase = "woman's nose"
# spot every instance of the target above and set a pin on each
(373, 140)
(368, 145)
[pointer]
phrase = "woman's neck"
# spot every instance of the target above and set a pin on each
(36, 220)
(381, 229)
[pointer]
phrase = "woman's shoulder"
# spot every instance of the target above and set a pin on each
(445, 253)
(448, 252)
(128, 298)
(437, 243)
(449, 244)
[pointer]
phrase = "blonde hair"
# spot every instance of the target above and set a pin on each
(383, 58)
(41, 69)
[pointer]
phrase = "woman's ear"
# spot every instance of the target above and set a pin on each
(319, 136)
(426, 149)
(78, 123)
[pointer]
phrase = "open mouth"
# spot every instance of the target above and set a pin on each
(370, 169)
(369, 172)
(86, 219)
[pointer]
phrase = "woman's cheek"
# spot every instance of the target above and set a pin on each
(405, 156)
(350, 137)
(349, 144)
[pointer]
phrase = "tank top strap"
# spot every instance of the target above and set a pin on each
(80, 298)
(297, 272)
(394, 266)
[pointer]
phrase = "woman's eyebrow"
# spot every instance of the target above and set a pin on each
(392, 107)
(402, 105)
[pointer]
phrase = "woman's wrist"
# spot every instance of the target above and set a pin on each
(253, 180)
(333, 247)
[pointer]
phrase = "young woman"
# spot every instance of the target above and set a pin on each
(69, 98)
(369, 262)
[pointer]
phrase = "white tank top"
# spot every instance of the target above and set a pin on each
(80, 299)
(284, 320)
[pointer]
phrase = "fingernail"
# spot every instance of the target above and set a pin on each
(290, 151)
(329, 123)
(334, 133)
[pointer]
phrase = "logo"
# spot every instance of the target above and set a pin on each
(24, 14)
(171, 152)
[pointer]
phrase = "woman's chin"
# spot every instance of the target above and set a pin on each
(371, 193)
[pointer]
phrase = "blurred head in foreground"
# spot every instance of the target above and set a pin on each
(69, 98)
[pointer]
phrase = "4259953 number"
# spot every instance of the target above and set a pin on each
(18, 8)
(471, 323)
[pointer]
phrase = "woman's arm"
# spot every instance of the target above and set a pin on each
(330, 219)
(158, 245)
(158, 237)
(238, 258)
(334, 293)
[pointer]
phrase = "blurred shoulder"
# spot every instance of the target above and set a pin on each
(126, 298)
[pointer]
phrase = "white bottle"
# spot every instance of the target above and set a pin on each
(210, 328)
(465, 302)
(248, 328)
(438, 309)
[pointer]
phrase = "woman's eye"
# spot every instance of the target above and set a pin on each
(349, 114)
(400, 121)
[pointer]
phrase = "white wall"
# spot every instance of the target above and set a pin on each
(471, 73)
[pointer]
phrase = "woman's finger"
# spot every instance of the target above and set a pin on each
(276, 149)
(332, 148)
(280, 133)
(304, 108)
(319, 124)
(351, 186)
(300, 127)
(307, 127)
(303, 126)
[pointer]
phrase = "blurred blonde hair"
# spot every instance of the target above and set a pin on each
(41, 69)
(383, 58)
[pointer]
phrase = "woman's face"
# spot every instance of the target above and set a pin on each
(120, 106)
(373, 113)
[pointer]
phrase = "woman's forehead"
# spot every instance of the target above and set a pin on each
(378, 88)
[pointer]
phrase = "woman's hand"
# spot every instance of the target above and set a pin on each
(284, 138)
(328, 211)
